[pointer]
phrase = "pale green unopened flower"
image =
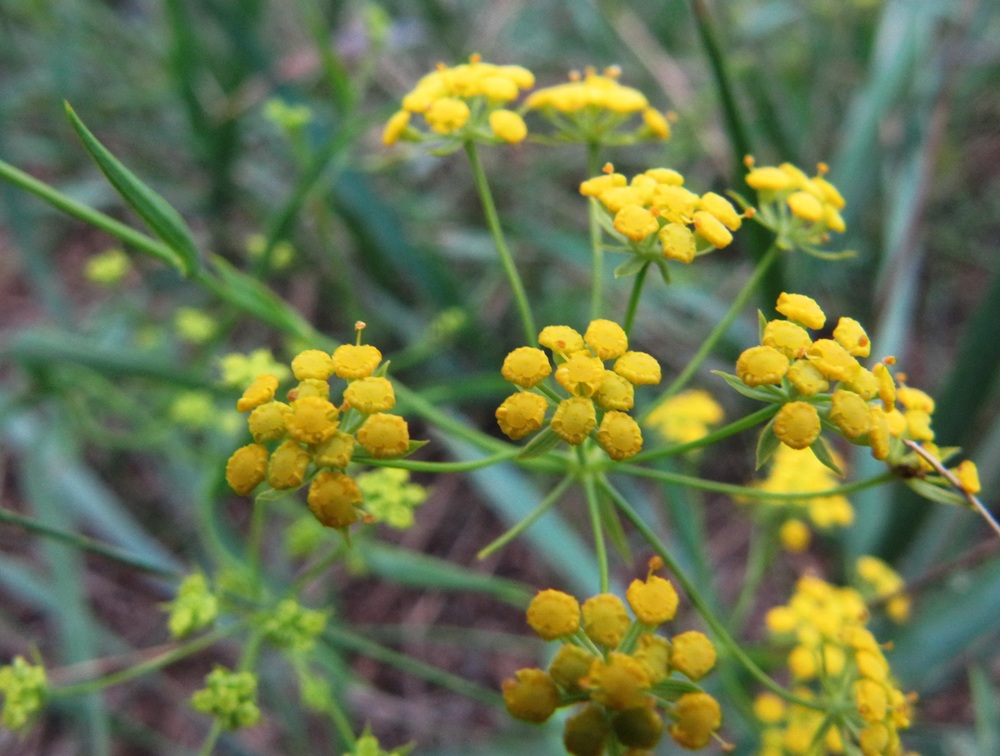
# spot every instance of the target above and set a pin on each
(390, 497)
(293, 626)
(108, 267)
(230, 697)
(368, 745)
(304, 536)
(194, 409)
(239, 370)
(281, 256)
(195, 607)
(288, 117)
(194, 325)
(23, 687)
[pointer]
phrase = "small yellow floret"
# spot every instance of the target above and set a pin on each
(312, 364)
(797, 424)
(968, 475)
(574, 419)
(246, 468)
(336, 451)
(553, 614)
(395, 127)
(697, 716)
(581, 375)
(686, 416)
(384, 435)
(560, 339)
(596, 186)
(795, 536)
(508, 126)
(606, 339)
(657, 123)
(761, 366)
(806, 206)
(850, 335)
(521, 414)
(722, 209)
(257, 393)
(638, 368)
(692, 654)
(653, 601)
(619, 683)
(615, 393)
(677, 242)
(768, 178)
(267, 422)
(711, 229)
(447, 115)
(886, 386)
(526, 367)
(570, 664)
(311, 420)
(832, 360)
(790, 339)
(287, 468)
(334, 498)
(605, 619)
(807, 378)
(801, 309)
(355, 360)
(371, 394)
(619, 435)
(635, 222)
(532, 695)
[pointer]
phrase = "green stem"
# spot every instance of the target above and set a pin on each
(725, 431)
(255, 545)
(750, 492)
(633, 300)
(446, 467)
(596, 247)
(150, 665)
(554, 495)
(594, 510)
(722, 635)
(757, 561)
(506, 259)
(720, 329)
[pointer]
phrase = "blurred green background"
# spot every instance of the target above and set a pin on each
(260, 122)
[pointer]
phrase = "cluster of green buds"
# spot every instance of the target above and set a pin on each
(599, 397)
(800, 210)
(840, 670)
(194, 608)
(24, 687)
(657, 218)
(595, 108)
(230, 697)
(311, 437)
(622, 677)
(462, 103)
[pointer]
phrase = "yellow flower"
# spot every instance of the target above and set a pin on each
(794, 536)
(619, 683)
(257, 393)
(635, 222)
(384, 435)
(371, 394)
(526, 367)
(797, 424)
(657, 124)
(832, 360)
(355, 360)
(697, 716)
(722, 209)
(311, 420)
(968, 475)
(850, 413)
(805, 206)
(246, 468)
(790, 339)
(582, 374)
(615, 393)
(560, 339)
(553, 614)
(287, 468)
(802, 309)
(711, 229)
(596, 186)
(606, 339)
(336, 451)
(574, 419)
(686, 416)
(619, 435)
(850, 335)
(508, 126)
(312, 364)
(446, 115)
(653, 601)
(570, 665)
(334, 498)
(677, 242)
(521, 414)
(531, 695)
(638, 368)
(692, 654)
(605, 619)
(806, 378)
(761, 366)
(769, 179)
(886, 386)
(267, 422)
(395, 127)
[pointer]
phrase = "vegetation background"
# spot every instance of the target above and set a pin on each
(899, 97)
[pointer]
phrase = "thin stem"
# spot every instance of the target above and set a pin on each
(174, 654)
(446, 467)
(750, 492)
(506, 259)
(633, 300)
(594, 510)
(758, 559)
(720, 329)
(554, 495)
(725, 431)
(596, 247)
(711, 620)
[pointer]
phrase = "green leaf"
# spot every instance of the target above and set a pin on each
(546, 440)
(760, 393)
(822, 452)
(936, 493)
(630, 267)
(162, 219)
(762, 324)
(767, 444)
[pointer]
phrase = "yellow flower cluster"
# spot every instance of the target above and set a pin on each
(589, 107)
(659, 217)
(464, 101)
(801, 210)
(599, 397)
(686, 417)
(799, 472)
(879, 582)
(818, 382)
(837, 664)
(618, 672)
(310, 436)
